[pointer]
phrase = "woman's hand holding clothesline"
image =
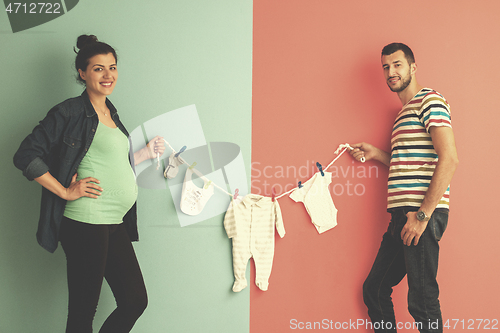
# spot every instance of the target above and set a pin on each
(154, 147)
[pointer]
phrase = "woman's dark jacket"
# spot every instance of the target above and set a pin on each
(58, 145)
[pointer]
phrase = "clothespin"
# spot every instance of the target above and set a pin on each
(236, 194)
(320, 168)
(207, 185)
(300, 184)
(273, 194)
(192, 166)
(180, 151)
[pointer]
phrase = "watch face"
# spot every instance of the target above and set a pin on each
(420, 215)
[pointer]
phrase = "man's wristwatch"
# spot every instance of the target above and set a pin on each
(422, 217)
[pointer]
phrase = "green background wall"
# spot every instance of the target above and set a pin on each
(171, 54)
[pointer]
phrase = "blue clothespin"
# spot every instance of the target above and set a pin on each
(300, 184)
(320, 168)
(180, 151)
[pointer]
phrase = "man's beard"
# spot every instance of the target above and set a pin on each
(405, 82)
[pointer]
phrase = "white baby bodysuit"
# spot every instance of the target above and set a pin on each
(250, 222)
(318, 201)
(193, 198)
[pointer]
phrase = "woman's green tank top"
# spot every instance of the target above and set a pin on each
(106, 160)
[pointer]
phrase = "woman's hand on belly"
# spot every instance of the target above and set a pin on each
(86, 187)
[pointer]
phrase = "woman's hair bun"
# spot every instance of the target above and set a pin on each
(85, 40)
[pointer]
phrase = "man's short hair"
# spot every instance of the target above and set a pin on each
(394, 47)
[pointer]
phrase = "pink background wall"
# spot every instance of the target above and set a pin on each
(317, 83)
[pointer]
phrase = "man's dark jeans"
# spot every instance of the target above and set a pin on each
(420, 263)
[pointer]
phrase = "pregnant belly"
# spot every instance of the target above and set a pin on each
(118, 196)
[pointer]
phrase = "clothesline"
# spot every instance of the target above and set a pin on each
(199, 174)
(340, 150)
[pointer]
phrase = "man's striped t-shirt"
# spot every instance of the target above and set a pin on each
(413, 158)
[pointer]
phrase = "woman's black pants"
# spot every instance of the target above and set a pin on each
(94, 252)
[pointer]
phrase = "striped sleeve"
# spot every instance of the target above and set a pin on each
(435, 111)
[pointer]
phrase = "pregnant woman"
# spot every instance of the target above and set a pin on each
(80, 154)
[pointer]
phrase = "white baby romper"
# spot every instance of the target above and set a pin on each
(250, 222)
(318, 201)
